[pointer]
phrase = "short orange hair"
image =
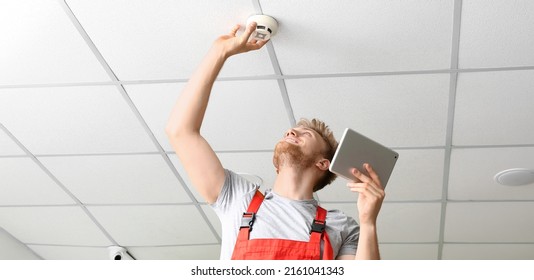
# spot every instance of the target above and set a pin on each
(331, 145)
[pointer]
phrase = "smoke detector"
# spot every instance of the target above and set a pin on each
(515, 177)
(266, 26)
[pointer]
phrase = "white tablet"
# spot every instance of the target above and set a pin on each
(355, 149)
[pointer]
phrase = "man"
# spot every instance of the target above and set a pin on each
(287, 223)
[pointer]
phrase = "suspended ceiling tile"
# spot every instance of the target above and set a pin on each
(488, 251)
(494, 108)
(490, 222)
(319, 37)
(72, 120)
(496, 33)
(41, 45)
(241, 115)
(472, 172)
(417, 176)
(7, 146)
(71, 252)
(13, 249)
(64, 225)
(188, 252)
(155, 225)
(24, 183)
(409, 251)
(407, 110)
(401, 222)
(117, 179)
(143, 40)
(212, 217)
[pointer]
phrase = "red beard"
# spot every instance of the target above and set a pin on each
(286, 154)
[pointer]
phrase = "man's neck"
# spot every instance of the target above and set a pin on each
(294, 184)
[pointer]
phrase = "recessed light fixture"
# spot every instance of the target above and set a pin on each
(515, 177)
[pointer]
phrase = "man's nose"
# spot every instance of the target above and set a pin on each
(291, 132)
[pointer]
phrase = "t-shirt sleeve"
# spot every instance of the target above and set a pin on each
(235, 189)
(350, 235)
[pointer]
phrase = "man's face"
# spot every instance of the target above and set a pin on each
(300, 147)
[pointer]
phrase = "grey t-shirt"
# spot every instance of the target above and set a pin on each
(278, 217)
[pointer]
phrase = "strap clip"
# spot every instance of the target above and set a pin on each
(318, 226)
(248, 220)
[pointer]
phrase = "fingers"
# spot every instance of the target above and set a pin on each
(248, 31)
(234, 30)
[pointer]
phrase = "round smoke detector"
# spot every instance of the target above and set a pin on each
(266, 26)
(515, 177)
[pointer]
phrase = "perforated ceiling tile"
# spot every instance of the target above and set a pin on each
(54, 225)
(490, 222)
(472, 172)
(200, 252)
(24, 183)
(494, 108)
(397, 111)
(320, 37)
(118, 179)
(488, 251)
(156, 225)
(72, 120)
(400, 222)
(8, 147)
(71, 253)
(496, 33)
(165, 39)
(409, 251)
(417, 176)
(41, 45)
(244, 115)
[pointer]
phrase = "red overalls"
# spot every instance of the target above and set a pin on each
(281, 249)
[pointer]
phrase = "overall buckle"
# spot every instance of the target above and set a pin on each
(318, 226)
(248, 220)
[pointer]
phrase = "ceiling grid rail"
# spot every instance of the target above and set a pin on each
(455, 49)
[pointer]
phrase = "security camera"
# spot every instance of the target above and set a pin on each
(119, 253)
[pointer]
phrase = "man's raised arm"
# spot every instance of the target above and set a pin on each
(183, 128)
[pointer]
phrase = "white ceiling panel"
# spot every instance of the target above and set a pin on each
(496, 33)
(65, 225)
(154, 225)
(407, 110)
(417, 176)
(129, 34)
(472, 172)
(490, 222)
(117, 179)
(70, 252)
(317, 37)
(409, 251)
(256, 106)
(401, 222)
(40, 45)
(488, 251)
(72, 120)
(22, 182)
(190, 252)
(8, 147)
(13, 249)
(494, 108)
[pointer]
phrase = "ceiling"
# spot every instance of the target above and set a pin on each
(86, 87)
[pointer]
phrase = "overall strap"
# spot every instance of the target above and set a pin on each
(318, 232)
(248, 217)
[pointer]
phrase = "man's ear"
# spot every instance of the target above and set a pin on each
(323, 164)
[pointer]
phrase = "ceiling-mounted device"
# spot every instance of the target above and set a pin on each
(515, 177)
(266, 26)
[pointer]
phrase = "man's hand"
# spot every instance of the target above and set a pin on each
(371, 194)
(232, 44)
